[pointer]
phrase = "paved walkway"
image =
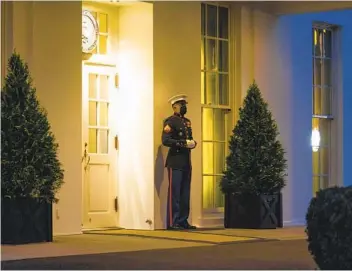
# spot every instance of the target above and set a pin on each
(131, 249)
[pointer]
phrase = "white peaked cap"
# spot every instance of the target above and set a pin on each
(177, 98)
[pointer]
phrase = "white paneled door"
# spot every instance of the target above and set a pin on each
(100, 147)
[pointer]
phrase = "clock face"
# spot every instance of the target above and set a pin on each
(90, 32)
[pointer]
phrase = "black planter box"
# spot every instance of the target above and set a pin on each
(25, 220)
(253, 212)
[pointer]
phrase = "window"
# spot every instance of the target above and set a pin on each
(102, 19)
(322, 103)
(215, 99)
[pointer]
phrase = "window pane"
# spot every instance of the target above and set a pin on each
(223, 89)
(208, 192)
(207, 124)
(92, 142)
(202, 55)
(219, 125)
(210, 87)
(316, 166)
(208, 158)
(219, 199)
(104, 114)
(316, 184)
(223, 22)
(103, 141)
(92, 86)
(202, 87)
(327, 40)
(317, 72)
(318, 42)
(326, 76)
(219, 158)
(324, 182)
(104, 87)
(316, 100)
(324, 128)
(103, 23)
(203, 19)
(223, 56)
(93, 113)
(211, 20)
(211, 53)
(326, 101)
(324, 161)
(103, 44)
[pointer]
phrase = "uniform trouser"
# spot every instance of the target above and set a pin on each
(178, 196)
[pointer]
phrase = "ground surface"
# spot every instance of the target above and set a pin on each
(207, 249)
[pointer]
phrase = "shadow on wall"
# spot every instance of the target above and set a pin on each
(161, 188)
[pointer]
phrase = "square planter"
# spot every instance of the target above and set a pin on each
(25, 220)
(253, 212)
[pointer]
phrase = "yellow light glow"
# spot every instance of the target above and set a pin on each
(315, 140)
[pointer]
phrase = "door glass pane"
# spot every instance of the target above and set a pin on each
(326, 76)
(211, 53)
(104, 114)
(103, 23)
(207, 124)
(223, 89)
(327, 39)
(202, 55)
(208, 192)
(103, 44)
(223, 56)
(211, 20)
(92, 86)
(104, 87)
(103, 141)
(208, 158)
(218, 195)
(316, 100)
(219, 158)
(317, 72)
(219, 125)
(326, 101)
(202, 87)
(93, 113)
(92, 143)
(210, 87)
(203, 18)
(223, 22)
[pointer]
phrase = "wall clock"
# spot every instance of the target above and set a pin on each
(90, 32)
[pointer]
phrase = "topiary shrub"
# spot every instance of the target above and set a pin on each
(329, 228)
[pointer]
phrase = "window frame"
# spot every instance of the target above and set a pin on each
(328, 118)
(225, 108)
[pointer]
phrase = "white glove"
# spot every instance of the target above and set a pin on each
(190, 144)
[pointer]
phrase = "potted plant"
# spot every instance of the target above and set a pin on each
(255, 168)
(329, 228)
(31, 173)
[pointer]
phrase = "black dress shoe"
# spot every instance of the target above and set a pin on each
(175, 227)
(188, 226)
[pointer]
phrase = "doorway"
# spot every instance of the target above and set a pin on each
(100, 147)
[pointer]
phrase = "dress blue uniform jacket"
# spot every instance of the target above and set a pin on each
(177, 130)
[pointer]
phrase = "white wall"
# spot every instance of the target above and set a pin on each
(52, 48)
(177, 48)
(283, 70)
(136, 127)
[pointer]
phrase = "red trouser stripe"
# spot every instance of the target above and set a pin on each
(170, 197)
